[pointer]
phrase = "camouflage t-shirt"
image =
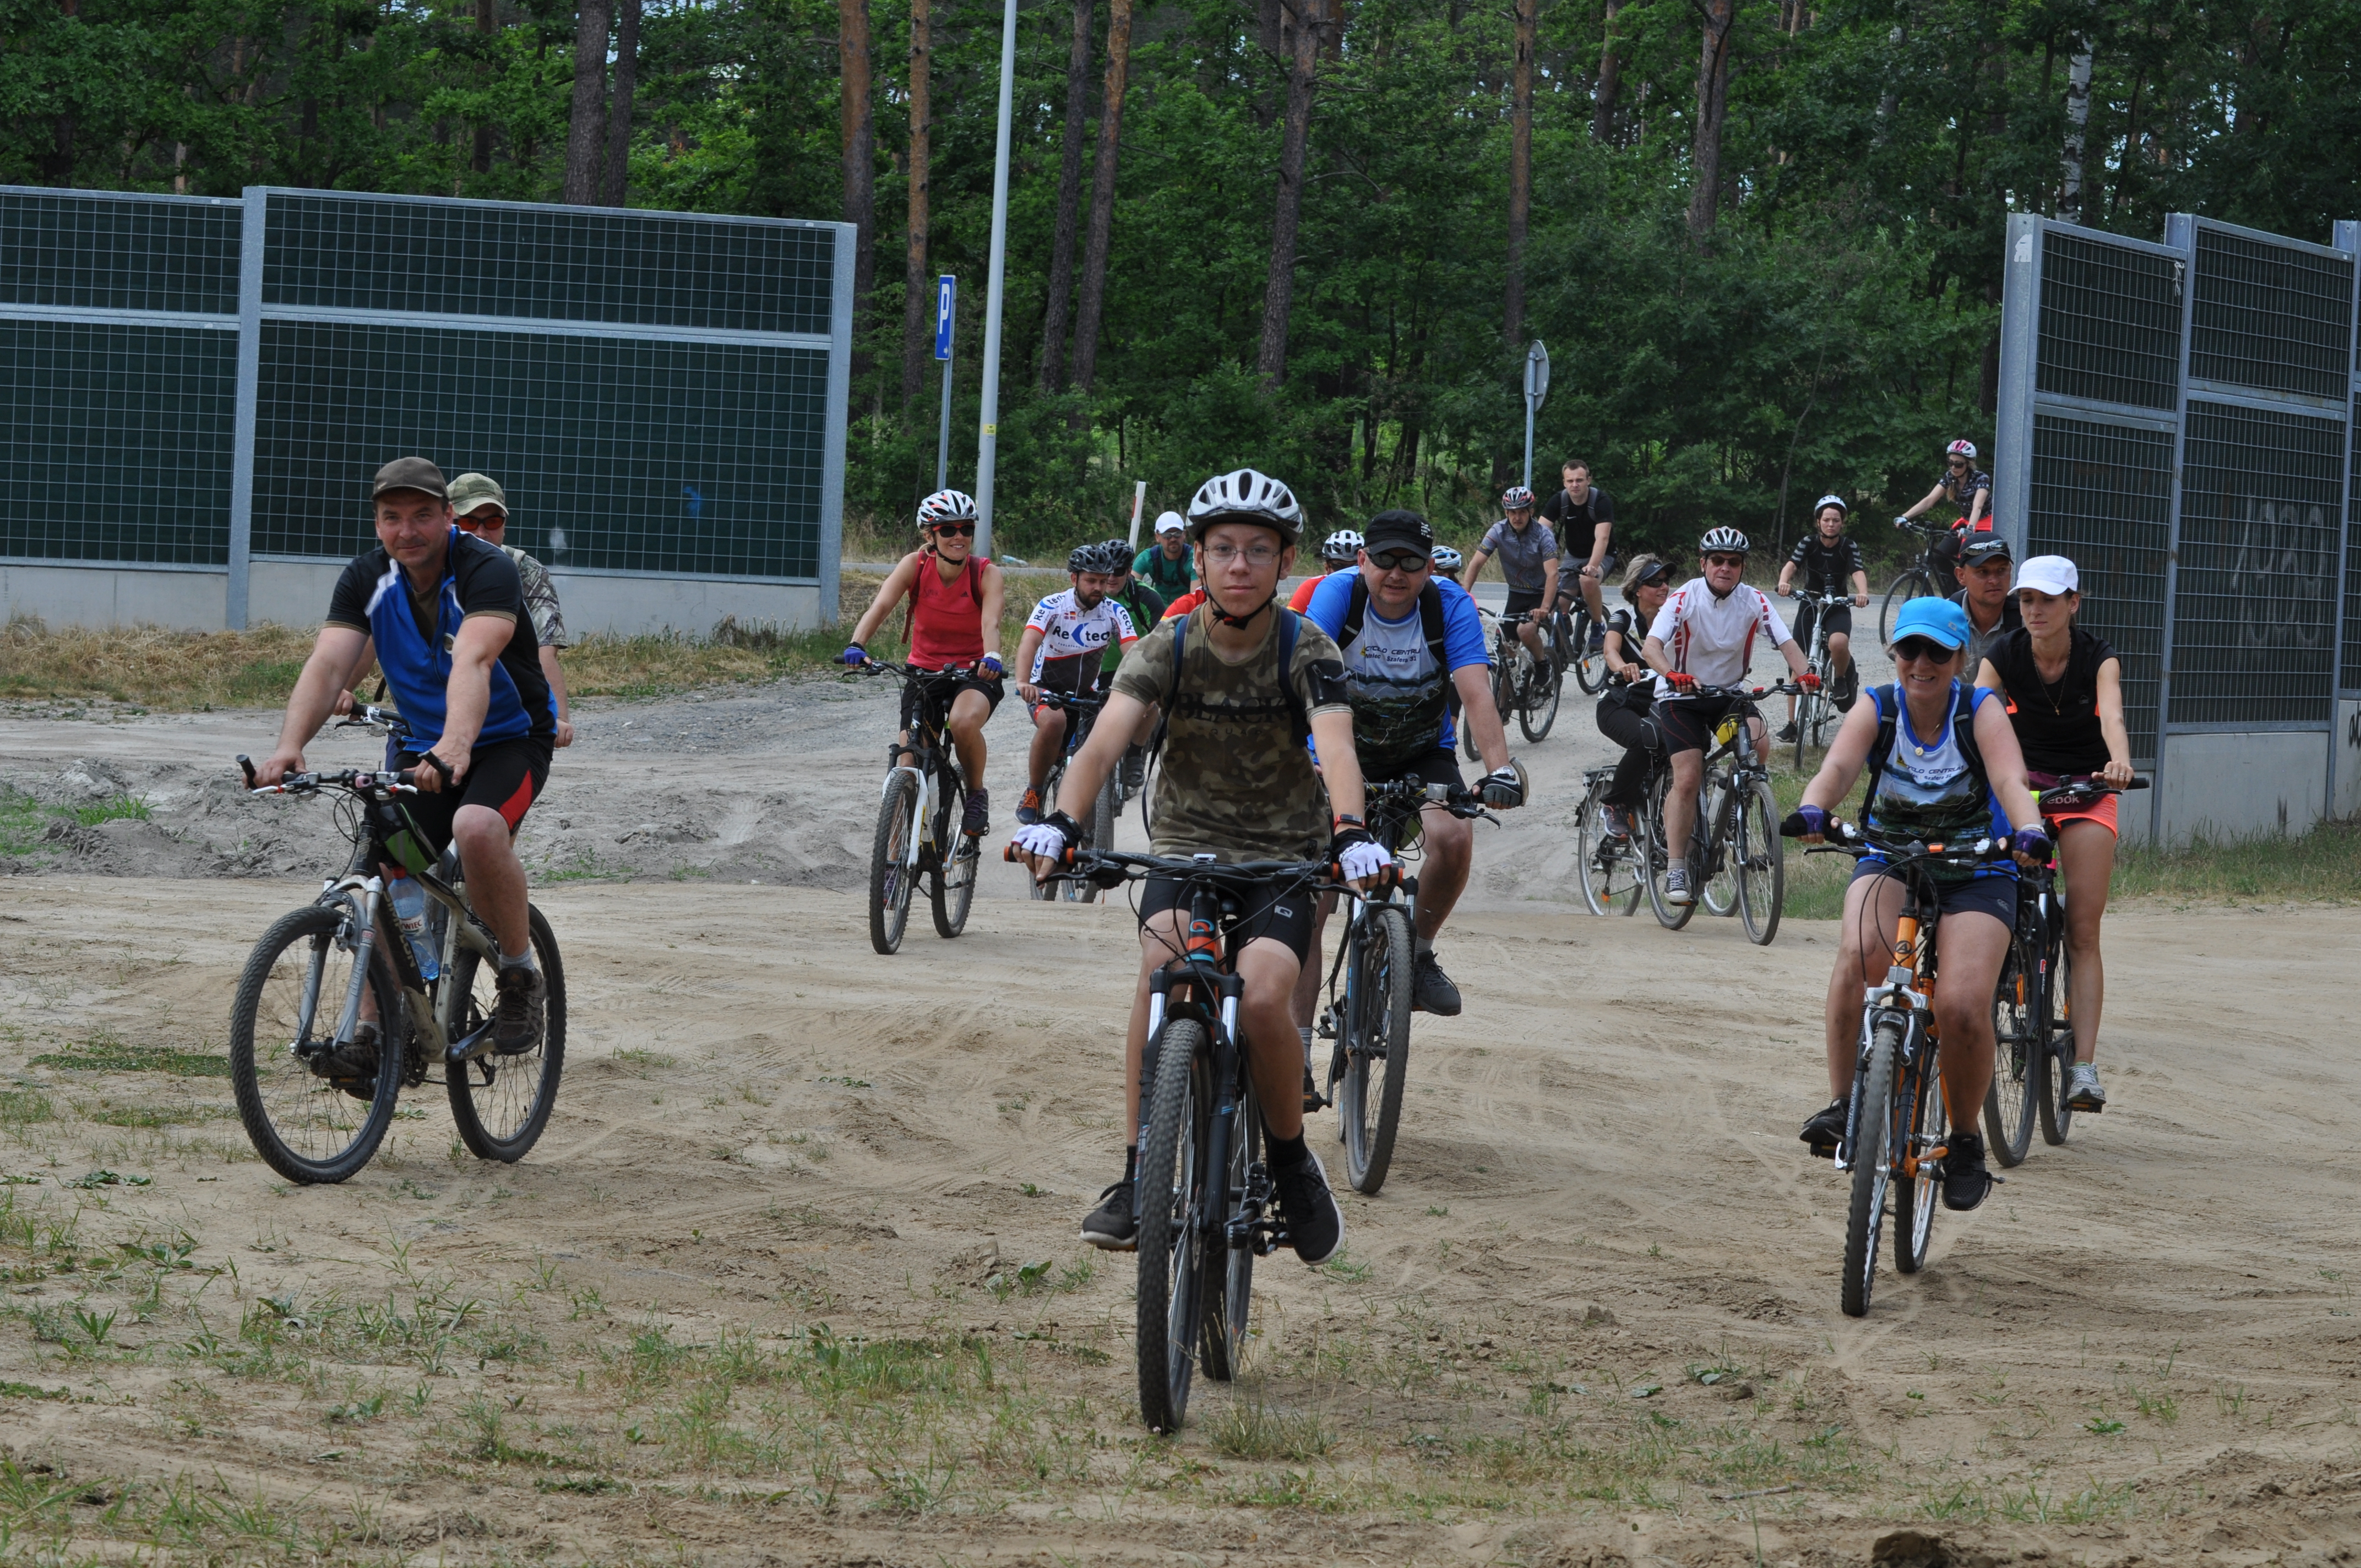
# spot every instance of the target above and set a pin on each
(540, 599)
(1235, 781)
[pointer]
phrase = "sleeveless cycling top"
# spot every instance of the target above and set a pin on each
(946, 619)
(1928, 789)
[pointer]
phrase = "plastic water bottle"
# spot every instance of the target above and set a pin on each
(409, 908)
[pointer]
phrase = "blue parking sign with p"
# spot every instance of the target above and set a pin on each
(946, 300)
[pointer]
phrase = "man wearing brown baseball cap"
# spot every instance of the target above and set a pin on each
(444, 615)
(481, 508)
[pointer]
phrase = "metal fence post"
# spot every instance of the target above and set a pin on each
(2181, 234)
(2020, 343)
(249, 380)
(839, 399)
(2345, 236)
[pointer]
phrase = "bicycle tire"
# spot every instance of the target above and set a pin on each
(278, 1097)
(1229, 1289)
(1865, 1215)
(891, 874)
(1928, 1126)
(2056, 1082)
(1050, 892)
(1609, 875)
(1919, 584)
(1589, 664)
(1761, 860)
(1805, 724)
(1545, 684)
(1379, 1004)
(1671, 916)
(2019, 1016)
(1171, 1241)
(1101, 828)
(954, 891)
(493, 1123)
(1715, 836)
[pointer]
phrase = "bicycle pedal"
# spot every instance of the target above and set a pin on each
(1822, 1151)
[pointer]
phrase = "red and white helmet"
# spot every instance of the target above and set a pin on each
(1966, 449)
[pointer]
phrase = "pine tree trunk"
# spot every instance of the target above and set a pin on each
(487, 22)
(586, 127)
(1712, 110)
(2077, 120)
(1279, 293)
(1611, 77)
(619, 121)
(1521, 169)
(1095, 258)
(918, 284)
(859, 127)
(1069, 203)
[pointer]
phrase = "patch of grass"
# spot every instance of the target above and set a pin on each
(1249, 1429)
(150, 666)
(24, 1107)
(104, 1051)
(2323, 865)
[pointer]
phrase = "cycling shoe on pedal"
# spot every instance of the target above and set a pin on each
(1316, 1225)
(1111, 1226)
(1966, 1181)
(352, 1066)
(517, 1018)
(1028, 810)
(1825, 1130)
(977, 821)
(1431, 988)
(2082, 1091)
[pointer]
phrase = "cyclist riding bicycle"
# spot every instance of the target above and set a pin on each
(1705, 635)
(1828, 559)
(1624, 714)
(1528, 552)
(1993, 613)
(1340, 552)
(2064, 688)
(1414, 652)
(1963, 486)
(1583, 517)
(955, 598)
(1244, 681)
(1944, 769)
(444, 615)
(1065, 643)
(1166, 566)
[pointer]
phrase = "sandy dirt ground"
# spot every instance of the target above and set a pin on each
(794, 1277)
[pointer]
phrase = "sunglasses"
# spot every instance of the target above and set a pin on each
(964, 530)
(1922, 651)
(1725, 561)
(1653, 576)
(1401, 561)
(473, 524)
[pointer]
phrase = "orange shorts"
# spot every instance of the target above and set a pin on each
(2101, 811)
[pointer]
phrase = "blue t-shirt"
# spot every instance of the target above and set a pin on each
(1400, 701)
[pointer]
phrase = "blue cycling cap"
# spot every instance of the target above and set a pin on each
(1937, 619)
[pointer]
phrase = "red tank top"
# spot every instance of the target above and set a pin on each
(946, 619)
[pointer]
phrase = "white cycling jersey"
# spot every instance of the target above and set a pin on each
(1070, 634)
(1713, 638)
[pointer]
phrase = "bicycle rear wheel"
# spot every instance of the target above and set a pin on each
(1671, 916)
(1761, 859)
(1808, 725)
(1610, 875)
(1377, 1043)
(1172, 1233)
(501, 1104)
(2018, 1016)
(1544, 682)
(891, 871)
(1716, 843)
(1873, 1118)
(1929, 1127)
(1229, 1288)
(288, 1005)
(1589, 663)
(1912, 584)
(954, 889)
(2057, 1047)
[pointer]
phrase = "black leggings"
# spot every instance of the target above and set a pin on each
(1635, 731)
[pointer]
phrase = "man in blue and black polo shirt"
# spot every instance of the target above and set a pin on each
(445, 614)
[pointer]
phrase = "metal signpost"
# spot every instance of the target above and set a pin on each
(1536, 388)
(988, 448)
(946, 317)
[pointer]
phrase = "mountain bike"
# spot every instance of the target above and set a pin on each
(1612, 867)
(1896, 1123)
(1522, 685)
(918, 814)
(1205, 1195)
(1737, 863)
(1371, 982)
(1926, 574)
(1097, 819)
(333, 1015)
(1816, 709)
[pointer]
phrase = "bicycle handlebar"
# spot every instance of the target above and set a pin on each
(367, 717)
(1851, 838)
(361, 781)
(2083, 791)
(1073, 702)
(1776, 688)
(912, 672)
(1460, 801)
(1109, 867)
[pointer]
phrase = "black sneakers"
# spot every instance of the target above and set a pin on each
(1825, 1130)
(1966, 1182)
(516, 1020)
(1113, 1225)
(1431, 988)
(1315, 1225)
(353, 1066)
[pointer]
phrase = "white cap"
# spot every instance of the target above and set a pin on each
(2049, 575)
(1171, 523)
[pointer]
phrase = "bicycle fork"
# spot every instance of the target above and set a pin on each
(363, 947)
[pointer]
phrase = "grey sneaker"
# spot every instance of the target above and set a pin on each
(1431, 988)
(1676, 885)
(517, 1019)
(977, 821)
(1613, 823)
(1111, 1226)
(1315, 1225)
(2082, 1091)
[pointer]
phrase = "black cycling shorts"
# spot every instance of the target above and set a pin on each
(1522, 601)
(1688, 724)
(1839, 622)
(1439, 766)
(1281, 911)
(993, 691)
(507, 775)
(1992, 896)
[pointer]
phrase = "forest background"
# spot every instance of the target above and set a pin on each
(1763, 241)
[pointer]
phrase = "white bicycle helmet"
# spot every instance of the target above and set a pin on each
(1966, 449)
(945, 506)
(1245, 496)
(1728, 541)
(1827, 501)
(1447, 559)
(1341, 547)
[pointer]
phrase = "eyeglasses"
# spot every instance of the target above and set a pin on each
(1718, 560)
(1401, 561)
(474, 524)
(1255, 554)
(964, 530)
(1922, 651)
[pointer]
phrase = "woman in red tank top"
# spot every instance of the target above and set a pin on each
(955, 598)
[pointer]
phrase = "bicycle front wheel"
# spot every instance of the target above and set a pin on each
(2058, 1052)
(1589, 663)
(290, 1005)
(1229, 1274)
(1171, 1229)
(1670, 916)
(1808, 725)
(891, 867)
(2018, 1016)
(1929, 1128)
(502, 1103)
(954, 890)
(1610, 880)
(1761, 859)
(1873, 1118)
(1378, 999)
(1912, 584)
(1100, 825)
(1544, 683)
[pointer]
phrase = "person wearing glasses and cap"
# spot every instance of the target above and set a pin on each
(1623, 706)
(1985, 565)
(1168, 565)
(481, 508)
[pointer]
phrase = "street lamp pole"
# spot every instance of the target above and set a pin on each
(988, 433)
